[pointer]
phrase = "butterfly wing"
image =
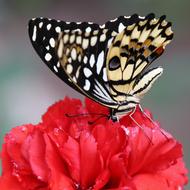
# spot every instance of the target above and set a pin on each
(43, 33)
(92, 43)
(131, 53)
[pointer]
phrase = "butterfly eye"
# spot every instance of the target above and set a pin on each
(114, 63)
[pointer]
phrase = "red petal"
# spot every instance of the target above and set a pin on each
(151, 182)
(94, 107)
(14, 142)
(102, 179)
(111, 139)
(90, 160)
(55, 116)
(71, 154)
(176, 174)
(8, 182)
(118, 170)
(58, 178)
(37, 156)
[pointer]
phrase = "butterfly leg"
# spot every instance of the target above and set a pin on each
(113, 115)
(130, 115)
(151, 120)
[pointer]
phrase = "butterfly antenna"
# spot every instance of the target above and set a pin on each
(154, 123)
(130, 115)
(77, 115)
(88, 114)
(101, 116)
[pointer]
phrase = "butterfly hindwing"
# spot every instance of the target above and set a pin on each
(131, 53)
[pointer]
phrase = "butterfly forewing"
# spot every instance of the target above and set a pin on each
(44, 32)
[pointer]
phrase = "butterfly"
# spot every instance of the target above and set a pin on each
(108, 63)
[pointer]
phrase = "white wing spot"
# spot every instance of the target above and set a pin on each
(69, 69)
(67, 31)
(69, 60)
(60, 49)
(74, 54)
(47, 47)
(102, 38)
(48, 57)
(114, 33)
(88, 29)
(142, 17)
(52, 42)
(74, 79)
(92, 60)
(72, 39)
(95, 32)
(55, 69)
(105, 78)
(34, 33)
(127, 17)
(100, 62)
(87, 85)
(65, 38)
(109, 42)
(102, 26)
(58, 29)
(78, 72)
(113, 20)
(85, 43)
(93, 41)
(77, 30)
(40, 24)
(85, 59)
(79, 40)
(48, 26)
(87, 72)
(121, 27)
(67, 51)
(58, 64)
(79, 57)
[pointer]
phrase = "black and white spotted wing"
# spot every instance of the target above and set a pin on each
(43, 33)
(88, 67)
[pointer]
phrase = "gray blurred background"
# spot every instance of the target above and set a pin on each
(28, 87)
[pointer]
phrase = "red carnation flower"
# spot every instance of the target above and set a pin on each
(67, 153)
